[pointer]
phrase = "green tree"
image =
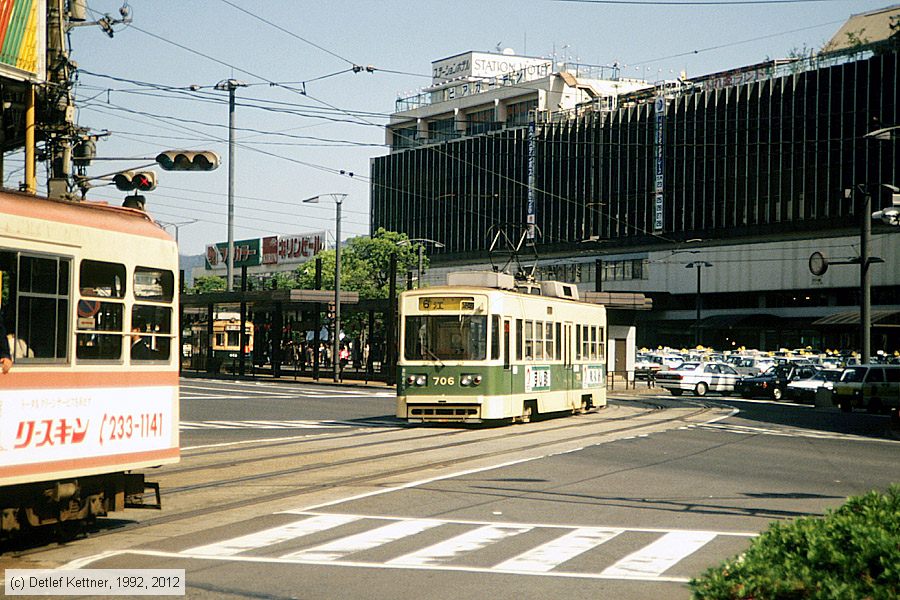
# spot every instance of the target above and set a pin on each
(208, 283)
(365, 264)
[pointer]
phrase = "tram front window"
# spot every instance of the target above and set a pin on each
(446, 337)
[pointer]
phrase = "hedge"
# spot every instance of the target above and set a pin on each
(851, 553)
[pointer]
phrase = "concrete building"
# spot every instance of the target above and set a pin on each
(715, 189)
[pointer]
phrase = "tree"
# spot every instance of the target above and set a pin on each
(208, 283)
(365, 264)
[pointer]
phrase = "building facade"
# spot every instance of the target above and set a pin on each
(742, 175)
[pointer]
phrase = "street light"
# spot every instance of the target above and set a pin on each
(422, 242)
(177, 226)
(230, 85)
(699, 266)
(335, 342)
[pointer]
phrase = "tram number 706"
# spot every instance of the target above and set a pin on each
(443, 380)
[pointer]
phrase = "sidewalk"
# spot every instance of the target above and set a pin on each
(290, 378)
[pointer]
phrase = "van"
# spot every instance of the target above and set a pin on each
(873, 387)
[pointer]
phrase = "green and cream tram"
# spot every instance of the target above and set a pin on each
(486, 348)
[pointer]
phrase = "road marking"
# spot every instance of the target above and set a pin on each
(364, 541)
(444, 552)
(275, 535)
(552, 554)
(658, 557)
(547, 559)
(193, 425)
(790, 432)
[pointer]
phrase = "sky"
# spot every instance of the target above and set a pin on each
(306, 120)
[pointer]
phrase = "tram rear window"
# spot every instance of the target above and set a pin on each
(154, 284)
(102, 279)
(446, 337)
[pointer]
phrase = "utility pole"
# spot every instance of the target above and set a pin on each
(230, 85)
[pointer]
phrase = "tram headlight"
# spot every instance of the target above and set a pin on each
(470, 380)
(421, 380)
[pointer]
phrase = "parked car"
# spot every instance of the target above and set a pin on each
(773, 383)
(699, 378)
(750, 366)
(804, 390)
(873, 387)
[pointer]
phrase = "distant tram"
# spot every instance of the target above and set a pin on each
(485, 348)
(90, 309)
(226, 338)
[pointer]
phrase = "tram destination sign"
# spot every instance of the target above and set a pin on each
(447, 303)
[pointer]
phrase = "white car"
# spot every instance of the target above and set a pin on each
(699, 378)
(804, 390)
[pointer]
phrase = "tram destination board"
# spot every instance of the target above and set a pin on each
(447, 303)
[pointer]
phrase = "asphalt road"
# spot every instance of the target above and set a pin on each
(317, 492)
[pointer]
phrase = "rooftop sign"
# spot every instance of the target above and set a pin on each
(483, 65)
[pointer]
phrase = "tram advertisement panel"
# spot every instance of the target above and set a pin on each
(537, 379)
(85, 427)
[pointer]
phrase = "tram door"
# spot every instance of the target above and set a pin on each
(507, 351)
(568, 361)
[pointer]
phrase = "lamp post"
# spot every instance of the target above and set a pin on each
(699, 266)
(336, 341)
(422, 242)
(230, 85)
(177, 226)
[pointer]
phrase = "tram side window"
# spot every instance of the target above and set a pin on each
(549, 341)
(594, 342)
(154, 284)
(100, 322)
(102, 279)
(585, 342)
(35, 306)
(539, 340)
(529, 340)
(151, 328)
(601, 339)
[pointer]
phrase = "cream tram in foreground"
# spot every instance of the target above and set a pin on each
(486, 348)
(89, 305)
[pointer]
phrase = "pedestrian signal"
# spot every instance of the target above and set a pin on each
(188, 160)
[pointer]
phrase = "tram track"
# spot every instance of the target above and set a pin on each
(383, 473)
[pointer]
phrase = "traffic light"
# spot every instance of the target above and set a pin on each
(142, 181)
(188, 160)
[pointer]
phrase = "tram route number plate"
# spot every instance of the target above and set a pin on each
(537, 379)
(447, 303)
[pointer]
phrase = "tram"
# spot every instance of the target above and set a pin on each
(486, 348)
(225, 340)
(89, 305)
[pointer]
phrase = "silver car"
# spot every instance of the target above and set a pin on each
(699, 378)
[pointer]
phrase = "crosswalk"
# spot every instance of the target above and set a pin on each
(459, 545)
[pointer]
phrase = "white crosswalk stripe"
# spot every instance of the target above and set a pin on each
(654, 561)
(555, 552)
(275, 535)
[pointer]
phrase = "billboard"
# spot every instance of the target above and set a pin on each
(246, 254)
(23, 40)
(271, 250)
(292, 249)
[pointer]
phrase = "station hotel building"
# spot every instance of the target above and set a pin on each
(715, 190)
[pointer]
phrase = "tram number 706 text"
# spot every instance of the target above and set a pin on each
(443, 380)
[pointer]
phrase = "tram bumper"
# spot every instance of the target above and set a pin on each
(440, 410)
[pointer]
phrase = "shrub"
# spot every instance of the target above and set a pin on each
(853, 552)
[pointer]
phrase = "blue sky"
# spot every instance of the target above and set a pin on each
(293, 146)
